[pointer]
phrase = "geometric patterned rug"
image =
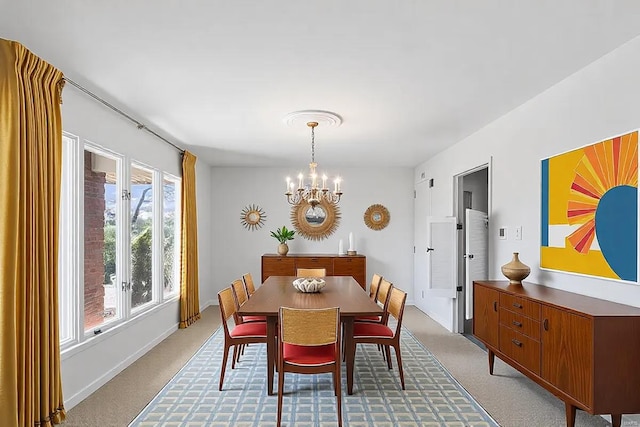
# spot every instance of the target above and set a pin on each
(432, 396)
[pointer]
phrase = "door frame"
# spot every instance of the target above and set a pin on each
(458, 308)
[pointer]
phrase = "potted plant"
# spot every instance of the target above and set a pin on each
(282, 235)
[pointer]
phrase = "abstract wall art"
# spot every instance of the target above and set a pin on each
(589, 210)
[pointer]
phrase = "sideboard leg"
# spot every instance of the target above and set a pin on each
(571, 414)
(492, 358)
(616, 420)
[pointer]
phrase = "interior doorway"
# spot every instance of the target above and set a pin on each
(472, 205)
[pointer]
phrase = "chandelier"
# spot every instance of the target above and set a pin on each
(315, 191)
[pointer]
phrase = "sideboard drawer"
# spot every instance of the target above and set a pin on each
(520, 323)
(520, 348)
(520, 305)
(316, 262)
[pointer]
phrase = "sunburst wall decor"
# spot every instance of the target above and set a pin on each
(589, 217)
(252, 217)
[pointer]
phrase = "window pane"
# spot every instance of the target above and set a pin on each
(141, 236)
(171, 240)
(100, 256)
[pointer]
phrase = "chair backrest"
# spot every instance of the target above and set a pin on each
(248, 284)
(227, 306)
(309, 327)
(239, 291)
(311, 272)
(397, 299)
(382, 299)
(375, 284)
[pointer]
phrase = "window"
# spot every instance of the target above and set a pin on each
(119, 235)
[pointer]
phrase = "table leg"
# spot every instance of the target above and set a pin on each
(271, 351)
(349, 348)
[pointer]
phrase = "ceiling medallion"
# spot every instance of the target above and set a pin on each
(322, 117)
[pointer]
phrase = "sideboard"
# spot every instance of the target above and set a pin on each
(335, 265)
(583, 350)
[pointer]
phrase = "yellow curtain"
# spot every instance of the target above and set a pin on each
(30, 170)
(189, 300)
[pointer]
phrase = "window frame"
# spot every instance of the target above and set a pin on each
(72, 240)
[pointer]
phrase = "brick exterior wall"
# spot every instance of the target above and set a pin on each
(94, 205)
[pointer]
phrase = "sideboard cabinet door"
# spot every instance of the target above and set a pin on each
(485, 314)
(567, 353)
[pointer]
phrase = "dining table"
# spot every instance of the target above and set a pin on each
(343, 292)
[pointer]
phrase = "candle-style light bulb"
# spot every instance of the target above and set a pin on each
(288, 182)
(324, 182)
(300, 176)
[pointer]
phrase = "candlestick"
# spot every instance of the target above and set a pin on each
(340, 248)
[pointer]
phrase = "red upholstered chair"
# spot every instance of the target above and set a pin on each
(374, 286)
(240, 296)
(311, 272)
(381, 334)
(241, 334)
(382, 299)
(248, 284)
(309, 343)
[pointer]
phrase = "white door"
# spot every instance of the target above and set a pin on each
(442, 253)
(476, 242)
(421, 209)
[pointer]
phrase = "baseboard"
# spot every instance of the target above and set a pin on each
(72, 401)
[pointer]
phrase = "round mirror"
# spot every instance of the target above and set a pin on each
(315, 222)
(376, 217)
(252, 217)
(315, 216)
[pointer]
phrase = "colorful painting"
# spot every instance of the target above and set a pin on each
(589, 217)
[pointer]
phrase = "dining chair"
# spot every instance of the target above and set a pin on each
(374, 286)
(248, 284)
(382, 299)
(309, 343)
(240, 334)
(240, 296)
(381, 334)
(311, 272)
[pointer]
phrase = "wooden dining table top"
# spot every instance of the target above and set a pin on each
(340, 291)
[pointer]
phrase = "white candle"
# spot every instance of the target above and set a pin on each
(288, 182)
(324, 181)
(335, 186)
(340, 248)
(351, 246)
(299, 180)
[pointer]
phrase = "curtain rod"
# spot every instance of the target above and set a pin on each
(122, 113)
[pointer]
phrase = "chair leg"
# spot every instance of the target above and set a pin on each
(224, 365)
(399, 359)
(280, 393)
(338, 395)
(235, 357)
(387, 351)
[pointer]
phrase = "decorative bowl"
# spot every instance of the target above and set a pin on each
(309, 284)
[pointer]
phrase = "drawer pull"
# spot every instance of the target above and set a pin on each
(516, 342)
(516, 305)
(545, 324)
(518, 324)
(495, 306)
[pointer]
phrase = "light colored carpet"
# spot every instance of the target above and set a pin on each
(509, 397)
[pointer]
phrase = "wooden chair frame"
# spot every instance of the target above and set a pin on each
(312, 328)
(397, 300)
(228, 310)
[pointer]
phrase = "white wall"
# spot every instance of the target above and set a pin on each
(86, 368)
(236, 250)
(596, 103)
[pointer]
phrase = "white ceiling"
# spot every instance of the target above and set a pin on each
(408, 78)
